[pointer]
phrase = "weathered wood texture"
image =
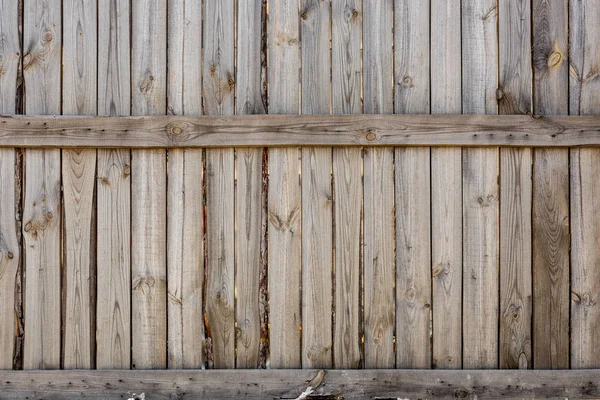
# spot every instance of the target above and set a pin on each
(290, 384)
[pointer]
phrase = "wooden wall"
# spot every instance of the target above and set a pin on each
(299, 257)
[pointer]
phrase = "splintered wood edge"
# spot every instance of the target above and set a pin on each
(296, 130)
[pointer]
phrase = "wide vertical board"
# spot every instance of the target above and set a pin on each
(550, 225)
(584, 86)
(79, 172)
(250, 211)
(317, 197)
(412, 197)
(218, 92)
(480, 189)
(284, 253)
(346, 63)
(10, 248)
(113, 187)
(446, 218)
(514, 96)
(148, 187)
(42, 206)
(378, 236)
(185, 222)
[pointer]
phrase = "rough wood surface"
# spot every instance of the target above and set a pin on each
(113, 186)
(584, 85)
(148, 188)
(42, 214)
(218, 96)
(284, 253)
(10, 246)
(378, 236)
(290, 384)
(185, 222)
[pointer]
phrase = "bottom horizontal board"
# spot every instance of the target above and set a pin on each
(299, 384)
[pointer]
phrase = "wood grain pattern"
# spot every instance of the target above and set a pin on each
(584, 85)
(250, 207)
(10, 247)
(413, 257)
(113, 187)
(42, 201)
(148, 187)
(514, 96)
(317, 196)
(185, 222)
(284, 253)
(550, 225)
(348, 195)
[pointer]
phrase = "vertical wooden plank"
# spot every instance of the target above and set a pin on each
(79, 172)
(347, 177)
(10, 251)
(284, 253)
(218, 92)
(185, 222)
(550, 225)
(148, 181)
(379, 268)
(584, 86)
(250, 214)
(446, 210)
(412, 197)
(41, 208)
(481, 235)
(113, 186)
(515, 195)
(317, 197)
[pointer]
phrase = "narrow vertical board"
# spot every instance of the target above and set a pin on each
(317, 198)
(514, 96)
(42, 205)
(79, 173)
(10, 248)
(412, 191)
(378, 257)
(481, 239)
(550, 225)
(481, 235)
(446, 218)
(249, 208)
(413, 257)
(113, 186)
(411, 57)
(346, 66)
(285, 247)
(185, 222)
(584, 86)
(218, 91)
(148, 187)
(348, 194)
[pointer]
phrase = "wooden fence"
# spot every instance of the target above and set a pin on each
(184, 237)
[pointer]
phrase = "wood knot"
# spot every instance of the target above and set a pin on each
(304, 16)
(48, 36)
(49, 215)
(371, 136)
(126, 170)
(146, 84)
(231, 82)
(28, 227)
(10, 255)
(407, 81)
(555, 59)
(499, 94)
(212, 69)
(27, 60)
(176, 130)
(355, 13)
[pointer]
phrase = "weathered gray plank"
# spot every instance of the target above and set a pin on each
(317, 197)
(42, 206)
(289, 384)
(185, 222)
(10, 247)
(284, 253)
(148, 187)
(514, 95)
(550, 225)
(305, 130)
(584, 86)
(113, 302)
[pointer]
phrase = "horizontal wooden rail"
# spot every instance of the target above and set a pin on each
(295, 130)
(290, 384)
